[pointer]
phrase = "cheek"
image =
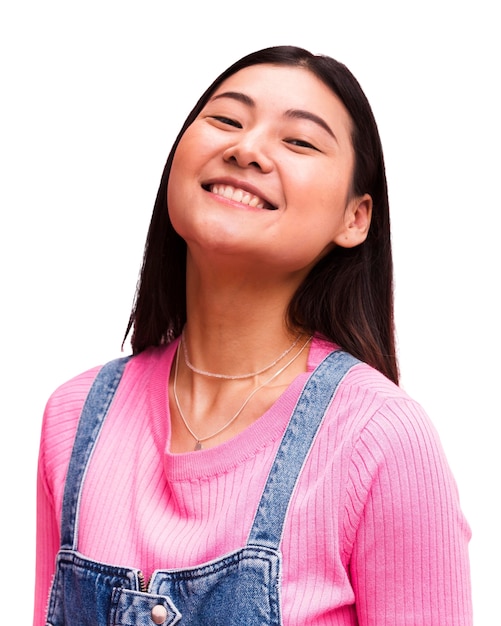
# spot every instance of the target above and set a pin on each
(179, 162)
(176, 194)
(334, 191)
(180, 172)
(322, 197)
(171, 190)
(193, 152)
(183, 188)
(320, 180)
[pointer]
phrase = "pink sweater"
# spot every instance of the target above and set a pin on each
(374, 534)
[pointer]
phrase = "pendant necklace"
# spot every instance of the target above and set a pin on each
(199, 440)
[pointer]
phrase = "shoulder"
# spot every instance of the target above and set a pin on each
(380, 412)
(387, 438)
(63, 409)
(373, 419)
(366, 396)
(385, 442)
(384, 405)
(66, 402)
(59, 425)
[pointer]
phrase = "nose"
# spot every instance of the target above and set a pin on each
(249, 150)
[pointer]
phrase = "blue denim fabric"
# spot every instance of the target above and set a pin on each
(238, 589)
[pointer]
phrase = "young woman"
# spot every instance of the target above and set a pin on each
(255, 462)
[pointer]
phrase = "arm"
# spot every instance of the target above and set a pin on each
(58, 432)
(47, 547)
(409, 564)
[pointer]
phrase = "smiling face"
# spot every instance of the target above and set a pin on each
(264, 173)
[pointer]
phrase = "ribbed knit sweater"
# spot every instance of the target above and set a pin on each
(374, 534)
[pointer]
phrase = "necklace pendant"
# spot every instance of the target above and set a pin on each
(198, 446)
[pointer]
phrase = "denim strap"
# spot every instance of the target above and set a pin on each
(91, 420)
(295, 446)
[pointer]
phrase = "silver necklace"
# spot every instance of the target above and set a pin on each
(237, 376)
(200, 440)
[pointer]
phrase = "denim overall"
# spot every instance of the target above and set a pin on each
(239, 589)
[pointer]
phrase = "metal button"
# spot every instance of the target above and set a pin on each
(159, 614)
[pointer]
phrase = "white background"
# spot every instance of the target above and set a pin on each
(93, 94)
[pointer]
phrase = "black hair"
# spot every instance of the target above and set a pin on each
(348, 295)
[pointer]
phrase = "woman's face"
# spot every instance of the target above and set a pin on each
(263, 174)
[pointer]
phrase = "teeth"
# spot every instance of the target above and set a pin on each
(238, 195)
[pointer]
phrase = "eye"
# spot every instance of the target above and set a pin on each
(300, 143)
(226, 121)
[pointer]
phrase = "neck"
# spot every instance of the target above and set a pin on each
(241, 316)
(236, 325)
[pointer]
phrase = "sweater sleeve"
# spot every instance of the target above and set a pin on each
(409, 561)
(47, 538)
(58, 432)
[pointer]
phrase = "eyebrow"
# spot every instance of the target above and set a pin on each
(297, 114)
(236, 95)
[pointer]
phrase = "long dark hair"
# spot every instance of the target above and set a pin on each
(347, 297)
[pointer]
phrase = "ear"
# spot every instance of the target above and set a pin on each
(357, 220)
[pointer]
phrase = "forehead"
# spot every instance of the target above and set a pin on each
(281, 88)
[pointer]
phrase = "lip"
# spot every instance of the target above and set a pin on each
(241, 184)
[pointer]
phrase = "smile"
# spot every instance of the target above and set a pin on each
(239, 195)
